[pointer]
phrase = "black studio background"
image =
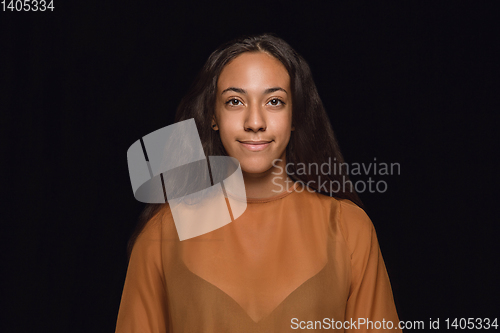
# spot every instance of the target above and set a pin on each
(404, 82)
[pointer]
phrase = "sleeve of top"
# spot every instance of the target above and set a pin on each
(370, 304)
(143, 307)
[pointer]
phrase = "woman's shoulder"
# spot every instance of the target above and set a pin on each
(350, 217)
(158, 224)
(345, 206)
(350, 212)
(355, 225)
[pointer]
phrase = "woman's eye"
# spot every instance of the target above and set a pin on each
(276, 102)
(233, 102)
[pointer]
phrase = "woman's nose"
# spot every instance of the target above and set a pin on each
(255, 120)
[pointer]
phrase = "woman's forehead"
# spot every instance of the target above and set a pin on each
(254, 72)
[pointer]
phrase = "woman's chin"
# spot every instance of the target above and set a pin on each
(255, 168)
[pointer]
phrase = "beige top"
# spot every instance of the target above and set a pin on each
(294, 260)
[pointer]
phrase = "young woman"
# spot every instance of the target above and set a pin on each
(301, 256)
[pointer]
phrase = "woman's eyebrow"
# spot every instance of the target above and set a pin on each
(271, 90)
(243, 91)
(238, 90)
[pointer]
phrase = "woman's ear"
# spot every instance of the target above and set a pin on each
(214, 125)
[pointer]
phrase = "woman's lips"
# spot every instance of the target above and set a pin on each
(255, 145)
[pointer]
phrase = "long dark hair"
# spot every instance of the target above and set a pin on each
(313, 141)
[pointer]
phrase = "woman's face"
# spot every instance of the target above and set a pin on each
(254, 110)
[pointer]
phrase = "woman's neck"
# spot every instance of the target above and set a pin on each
(269, 183)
